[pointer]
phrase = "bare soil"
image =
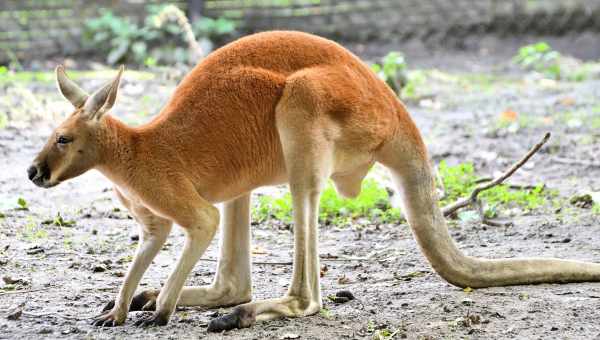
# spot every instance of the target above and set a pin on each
(69, 272)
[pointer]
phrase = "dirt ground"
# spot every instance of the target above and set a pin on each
(73, 269)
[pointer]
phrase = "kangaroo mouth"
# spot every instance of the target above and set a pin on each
(42, 179)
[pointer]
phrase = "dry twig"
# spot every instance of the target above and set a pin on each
(472, 198)
(496, 223)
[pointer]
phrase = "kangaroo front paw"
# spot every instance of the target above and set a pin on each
(144, 301)
(156, 319)
(110, 319)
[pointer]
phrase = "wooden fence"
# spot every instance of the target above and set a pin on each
(37, 28)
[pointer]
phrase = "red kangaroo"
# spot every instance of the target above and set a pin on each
(270, 108)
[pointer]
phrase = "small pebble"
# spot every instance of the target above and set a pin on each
(98, 269)
(45, 330)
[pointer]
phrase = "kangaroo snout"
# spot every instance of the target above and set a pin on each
(38, 174)
(32, 172)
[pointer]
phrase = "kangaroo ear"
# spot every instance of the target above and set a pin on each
(103, 99)
(69, 89)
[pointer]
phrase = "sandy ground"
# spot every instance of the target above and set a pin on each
(73, 270)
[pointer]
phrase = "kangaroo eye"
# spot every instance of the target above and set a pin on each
(63, 140)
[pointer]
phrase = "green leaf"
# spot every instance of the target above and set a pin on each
(22, 203)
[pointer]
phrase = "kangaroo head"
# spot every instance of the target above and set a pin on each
(73, 147)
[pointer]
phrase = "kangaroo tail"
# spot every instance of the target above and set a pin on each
(406, 158)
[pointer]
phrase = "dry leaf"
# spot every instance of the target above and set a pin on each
(343, 280)
(567, 101)
(509, 116)
(258, 250)
(324, 270)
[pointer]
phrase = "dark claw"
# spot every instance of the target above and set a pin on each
(109, 323)
(101, 322)
(238, 318)
(108, 306)
(156, 319)
(144, 301)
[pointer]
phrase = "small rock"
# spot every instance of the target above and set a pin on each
(290, 336)
(475, 319)
(45, 330)
(98, 268)
(346, 294)
(18, 281)
(467, 302)
(584, 201)
(34, 250)
(554, 328)
(16, 313)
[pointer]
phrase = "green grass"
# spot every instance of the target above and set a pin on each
(374, 205)
(460, 180)
(32, 231)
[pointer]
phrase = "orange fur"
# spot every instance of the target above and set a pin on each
(269, 108)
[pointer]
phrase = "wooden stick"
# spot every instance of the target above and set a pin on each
(466, 201)
(496, 223)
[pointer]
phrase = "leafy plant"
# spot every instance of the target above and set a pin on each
(392, 69)
(213, 29)
(150, 43)
(32, 231)
(373, 204)
(541, 58)
(326, 313)
(22, 203)
(460, 180)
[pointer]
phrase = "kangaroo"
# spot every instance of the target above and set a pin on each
(270, 108)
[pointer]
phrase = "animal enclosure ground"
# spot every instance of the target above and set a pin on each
(64, 251)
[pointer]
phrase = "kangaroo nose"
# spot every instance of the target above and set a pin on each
(32, 172)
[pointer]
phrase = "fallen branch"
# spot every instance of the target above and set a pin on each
(572, 161)
(466, 201)
(496, 223)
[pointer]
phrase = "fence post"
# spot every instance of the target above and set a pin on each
(195, 9)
